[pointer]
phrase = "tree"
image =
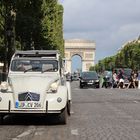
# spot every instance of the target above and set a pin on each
(28, 23)
(128, 57)
(36, 24)
(7, 17)
(52, 25)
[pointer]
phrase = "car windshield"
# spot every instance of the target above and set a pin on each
(127, 72)
(34, 65)
(89, 75)
(108, 73)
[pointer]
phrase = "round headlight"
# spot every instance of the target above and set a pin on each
(4, 86)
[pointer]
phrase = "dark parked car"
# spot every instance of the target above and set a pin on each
(89, 79)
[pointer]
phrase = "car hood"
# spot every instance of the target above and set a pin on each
(31, 83)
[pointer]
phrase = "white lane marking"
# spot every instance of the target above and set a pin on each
(25, 133)
(28, 132)
(71, 112)
(75, 132)
(38, 133)
(136, 102)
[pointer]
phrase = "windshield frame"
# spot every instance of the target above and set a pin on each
(89, 75)
(36, 65)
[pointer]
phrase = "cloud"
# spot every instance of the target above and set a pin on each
(109, 23)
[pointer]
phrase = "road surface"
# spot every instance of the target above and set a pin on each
(97, 114)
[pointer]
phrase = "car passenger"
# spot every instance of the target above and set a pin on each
(21, 67)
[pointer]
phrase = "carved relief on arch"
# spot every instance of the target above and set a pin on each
(88, 56)
(66, 55)
(88, 65)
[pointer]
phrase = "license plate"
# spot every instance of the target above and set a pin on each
(90, 83)
(28, 105)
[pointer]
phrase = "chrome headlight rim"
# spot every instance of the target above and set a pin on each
(4, 86)
(53, 87)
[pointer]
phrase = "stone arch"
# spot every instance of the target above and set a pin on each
(79, 54)
(83, 48)
(76, 67)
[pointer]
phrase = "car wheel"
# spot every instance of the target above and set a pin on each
(81, 86)
(97, 86)
(1, 119)
(63, 116)
(69, 108)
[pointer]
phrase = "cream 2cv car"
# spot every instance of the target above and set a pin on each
(36, 84)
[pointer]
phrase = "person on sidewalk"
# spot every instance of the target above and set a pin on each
(132, 81)
(114, 79)
(121, 79)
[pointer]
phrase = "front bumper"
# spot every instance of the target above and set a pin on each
(89, 84)
(50, 105)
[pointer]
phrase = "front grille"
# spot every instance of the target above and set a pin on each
(28, 96)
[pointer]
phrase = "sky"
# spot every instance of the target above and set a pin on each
(110, 23)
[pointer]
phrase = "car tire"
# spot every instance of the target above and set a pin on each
(81, 86)
(69, 108)
(1, 119)
(63, 116)
(98, 86)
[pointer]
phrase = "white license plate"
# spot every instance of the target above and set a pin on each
(90, 83)
(28, 105)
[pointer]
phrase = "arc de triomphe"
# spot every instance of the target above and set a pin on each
(84, 48)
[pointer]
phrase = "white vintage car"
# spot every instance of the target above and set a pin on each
(36, 84)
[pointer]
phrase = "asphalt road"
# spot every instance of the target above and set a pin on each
(97, 114)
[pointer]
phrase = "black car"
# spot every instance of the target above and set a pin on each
(89, 79)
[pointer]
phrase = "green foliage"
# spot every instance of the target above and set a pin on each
(52, 25)
(28, 23)
(38, 25)
(128, 57)
(1, 31)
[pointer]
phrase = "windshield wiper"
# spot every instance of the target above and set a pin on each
(34, 68)
(51, 69)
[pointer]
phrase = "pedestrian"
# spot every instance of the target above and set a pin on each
(135, 78)
(132, 80)
(120, 79)
(21, 67)
(114, 79)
